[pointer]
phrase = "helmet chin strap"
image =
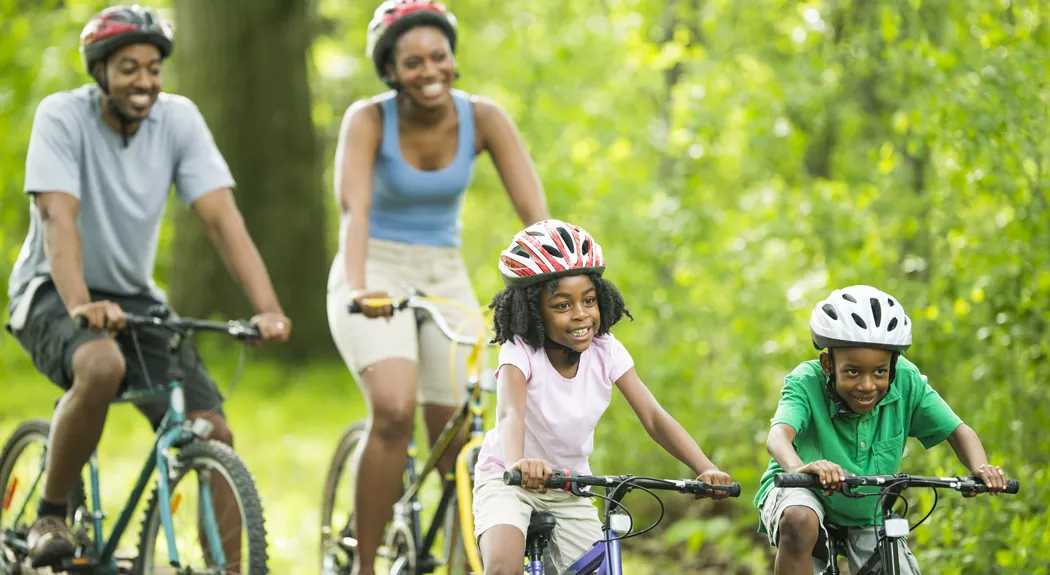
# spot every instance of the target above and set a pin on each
(122, 118)
(571, 354)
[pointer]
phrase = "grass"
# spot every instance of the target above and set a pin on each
(285, 422)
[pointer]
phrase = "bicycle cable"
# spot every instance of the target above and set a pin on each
(628, 483)
(936, 496)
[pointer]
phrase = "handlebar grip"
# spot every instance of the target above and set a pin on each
(1012, 486)
(796, 480)
(354, 307)
(734, 490)
(81, 322)
(512, 477)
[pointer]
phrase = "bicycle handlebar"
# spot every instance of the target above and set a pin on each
(563, 480)
(237, 329)
(962, 484)
(415, 302)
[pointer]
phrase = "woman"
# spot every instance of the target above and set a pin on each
(403, 163)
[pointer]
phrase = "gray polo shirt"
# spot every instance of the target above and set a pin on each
(122, 191)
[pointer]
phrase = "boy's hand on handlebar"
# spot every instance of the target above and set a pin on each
(360, 297)
(992, 476)
(100, 315)
(714, 477)
(534, 474)
(831, 474)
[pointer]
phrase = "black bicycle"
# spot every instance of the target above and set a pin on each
(187, 464)
(887, 488)
(408, 542)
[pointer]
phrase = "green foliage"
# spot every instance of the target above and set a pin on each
(738, 160)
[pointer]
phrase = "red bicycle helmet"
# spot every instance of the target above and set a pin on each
(394, 17)
(547, 250)
(119, 26)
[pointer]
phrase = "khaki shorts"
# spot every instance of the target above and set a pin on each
(576, 531)
(860, 541)
(390, 266)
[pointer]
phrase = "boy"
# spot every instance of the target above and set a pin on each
(852, 412)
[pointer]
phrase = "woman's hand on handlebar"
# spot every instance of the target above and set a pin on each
(534, 474)
(992, 476)
(714, 477)
(831, 474)
(359, 297)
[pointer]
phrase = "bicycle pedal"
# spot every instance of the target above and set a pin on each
(74, 565)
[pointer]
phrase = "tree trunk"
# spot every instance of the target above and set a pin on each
(243, 62)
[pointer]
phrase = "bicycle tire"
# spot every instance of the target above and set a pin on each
(348, 442)
(28, 432)
(229, 464)
(398, 538)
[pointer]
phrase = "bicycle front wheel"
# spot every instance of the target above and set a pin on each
(338, 544)
(207, 471)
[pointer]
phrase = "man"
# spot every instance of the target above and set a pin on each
(100, 165)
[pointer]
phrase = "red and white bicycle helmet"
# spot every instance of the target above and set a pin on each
(547, 250)
(394, 17)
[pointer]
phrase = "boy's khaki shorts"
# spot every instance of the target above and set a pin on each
(576, 531)
(860, 541)
(437, 272)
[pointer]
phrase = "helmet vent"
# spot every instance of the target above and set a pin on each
(830, 310)
(553, 251)
(905, 320)
(890, 301)
(567, 238)
(535, 234)
(860, 322)
(586, 247)
(892, 325)
(876, 311)
(520, 251)
(849, 298)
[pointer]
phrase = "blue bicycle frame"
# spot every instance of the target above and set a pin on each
(603, 559)
(171, 433)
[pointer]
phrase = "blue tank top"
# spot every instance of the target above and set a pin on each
(417, 206)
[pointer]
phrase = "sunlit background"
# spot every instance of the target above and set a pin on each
(737, 161)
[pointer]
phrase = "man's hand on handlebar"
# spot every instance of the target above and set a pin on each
(272, 326)
(100, 316)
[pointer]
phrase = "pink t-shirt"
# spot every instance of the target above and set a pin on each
(560, 413)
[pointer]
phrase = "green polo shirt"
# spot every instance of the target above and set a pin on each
(869, 444)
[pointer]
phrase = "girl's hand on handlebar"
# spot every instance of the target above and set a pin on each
(714, 477)
(992, 476)
(534, 474)
(831, 474)
(360, 297)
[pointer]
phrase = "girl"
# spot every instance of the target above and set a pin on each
(556, 365)
(403, 163)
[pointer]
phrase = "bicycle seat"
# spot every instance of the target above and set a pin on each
(541, 523)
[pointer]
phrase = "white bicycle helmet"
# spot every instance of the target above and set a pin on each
(860, 316)
(547, 250)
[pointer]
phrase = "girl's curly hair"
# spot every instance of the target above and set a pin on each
(516, 310)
